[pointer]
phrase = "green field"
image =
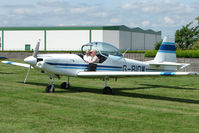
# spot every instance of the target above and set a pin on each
(143, 105)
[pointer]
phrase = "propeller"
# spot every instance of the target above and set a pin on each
(32, 60)
(36, 49)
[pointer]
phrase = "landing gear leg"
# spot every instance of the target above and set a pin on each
(107, 89)
(66, 85)
(50, 88)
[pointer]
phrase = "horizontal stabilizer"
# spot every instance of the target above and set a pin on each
(17, 64)
(131, 74)
(182, 65)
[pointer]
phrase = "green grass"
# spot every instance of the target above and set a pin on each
(138, 104)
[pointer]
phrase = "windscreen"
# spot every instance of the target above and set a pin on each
(102, 48)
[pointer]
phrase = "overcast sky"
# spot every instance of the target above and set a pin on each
(164, 15)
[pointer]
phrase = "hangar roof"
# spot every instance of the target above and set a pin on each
(115, 27)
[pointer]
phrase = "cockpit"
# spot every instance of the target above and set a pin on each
(103, 50)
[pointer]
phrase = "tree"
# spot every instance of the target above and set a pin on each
(197, 18)
(157, 45)
(186, 36)
(197, 31)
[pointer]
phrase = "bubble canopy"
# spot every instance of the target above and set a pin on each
(102, 48)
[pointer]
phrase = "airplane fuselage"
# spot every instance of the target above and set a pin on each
(71, 64)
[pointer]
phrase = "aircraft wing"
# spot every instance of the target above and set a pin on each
(131, 74)
(17, 64)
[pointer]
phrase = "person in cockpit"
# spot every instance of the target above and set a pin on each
(94, 58)
(87, 57)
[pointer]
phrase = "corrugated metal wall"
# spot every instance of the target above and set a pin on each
(73, 39)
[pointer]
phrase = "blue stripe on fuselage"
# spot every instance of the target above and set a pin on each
(109, 69)
(81, 65)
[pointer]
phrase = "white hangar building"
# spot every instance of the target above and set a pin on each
(73, 37)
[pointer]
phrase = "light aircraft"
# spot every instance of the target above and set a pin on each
(112, 64)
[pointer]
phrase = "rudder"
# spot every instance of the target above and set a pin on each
(167, 51)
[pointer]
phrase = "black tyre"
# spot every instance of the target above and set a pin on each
(107, 90)
(50, 89)
(65, 85)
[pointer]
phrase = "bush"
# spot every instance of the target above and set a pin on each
(188, 53)
(150, 53)
(157, 45)
(134, 51)
(195, 46)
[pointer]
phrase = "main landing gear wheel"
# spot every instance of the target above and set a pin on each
(65, 85)
(50, 89)
(107, 90)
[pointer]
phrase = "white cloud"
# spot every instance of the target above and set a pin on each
(59, 10)
(114, 20)
(22, 11)
(129, 6)
(133, 24)
(100, 14)
(165, 15)
(79, 10)
(168, 20)
(145, 23)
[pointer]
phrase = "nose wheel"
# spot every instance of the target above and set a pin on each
(50, 88)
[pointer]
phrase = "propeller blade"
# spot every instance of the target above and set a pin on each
(36, 49)
(27, 74)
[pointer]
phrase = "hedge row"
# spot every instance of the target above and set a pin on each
(148, 53)
(133, 51)
(179, 53)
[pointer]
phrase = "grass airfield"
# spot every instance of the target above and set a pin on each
(138, 104)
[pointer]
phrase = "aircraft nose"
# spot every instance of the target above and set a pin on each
(31, 60)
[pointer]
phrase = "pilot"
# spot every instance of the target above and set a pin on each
(87, 57)
(94, 58)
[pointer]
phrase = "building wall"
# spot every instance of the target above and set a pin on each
(112, 37)
(66, 39)
(125, 40)
(0, 40)
(158, 38)
(97, 35)
(150, 41)
(73, 39)
(16, 40)
(138, 41)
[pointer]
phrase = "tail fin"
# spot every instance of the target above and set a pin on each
(167, 51)
(165, 59)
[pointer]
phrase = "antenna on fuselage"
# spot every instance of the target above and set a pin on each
(125, 51)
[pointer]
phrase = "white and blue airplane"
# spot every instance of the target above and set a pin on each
(112, 64)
